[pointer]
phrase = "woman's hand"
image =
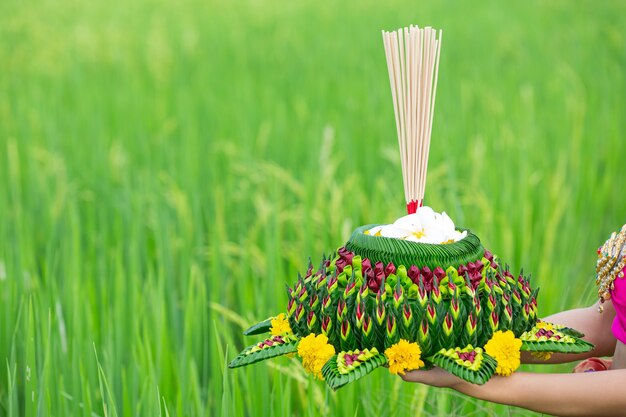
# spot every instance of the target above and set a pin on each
(585, 394)
(435, 377)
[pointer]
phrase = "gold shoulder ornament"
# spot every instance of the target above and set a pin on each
(610, 264)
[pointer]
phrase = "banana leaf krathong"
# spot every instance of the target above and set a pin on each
(451, 301)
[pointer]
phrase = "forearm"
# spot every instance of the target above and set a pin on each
(586, 394)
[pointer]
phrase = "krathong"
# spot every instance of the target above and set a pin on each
(417, 293)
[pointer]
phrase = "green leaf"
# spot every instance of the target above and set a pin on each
(246, 357)
(259, 328)
(571, 332)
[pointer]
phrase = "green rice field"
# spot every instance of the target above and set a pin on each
(166, 167)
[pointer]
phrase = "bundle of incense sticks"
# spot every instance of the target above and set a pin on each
(413, 62)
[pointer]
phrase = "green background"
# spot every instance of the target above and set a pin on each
(167, 167)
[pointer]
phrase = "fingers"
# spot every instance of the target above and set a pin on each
(414, 376)
(435, 377)
(406, 377)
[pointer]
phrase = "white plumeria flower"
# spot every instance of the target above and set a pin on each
(425, 226)
(446, 222)
(456, 235)
(426, 213)
(409, 222)
(391, 230)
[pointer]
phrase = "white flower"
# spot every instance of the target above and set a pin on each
(425, 226)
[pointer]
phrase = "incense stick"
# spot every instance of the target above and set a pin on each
(413, 64)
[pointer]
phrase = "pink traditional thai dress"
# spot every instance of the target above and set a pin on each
(618, 297)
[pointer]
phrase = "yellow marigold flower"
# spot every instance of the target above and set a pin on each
(403, 356)
(544, 356)
(280, 325)
(504, 347)
(315, 352)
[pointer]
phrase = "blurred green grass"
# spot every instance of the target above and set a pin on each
(166, 167)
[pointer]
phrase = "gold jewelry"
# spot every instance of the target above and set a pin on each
(610, 264)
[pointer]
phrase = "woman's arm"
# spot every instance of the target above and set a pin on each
(596, 327)
(586, 394)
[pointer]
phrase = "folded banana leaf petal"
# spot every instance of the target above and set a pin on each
(346, 367)
(579, 346)
(471, 364)
(571, 332)
(563, 329)
(546, 337)
(261, 351)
